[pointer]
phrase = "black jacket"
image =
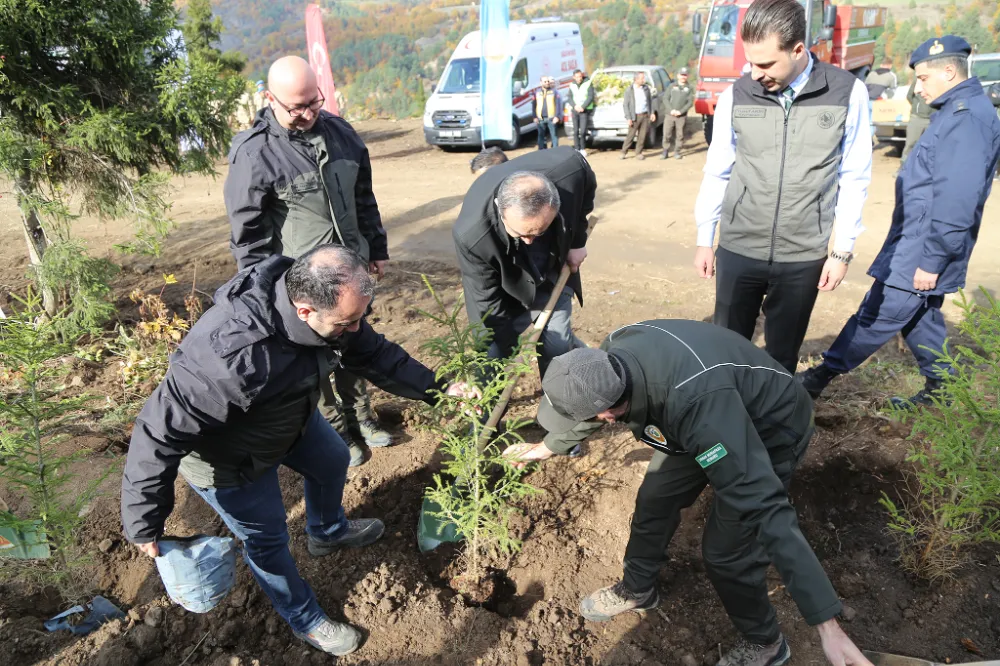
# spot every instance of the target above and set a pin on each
(239, 391)
(499, 284)
(703, 391)
(628, 103)
(288, 192)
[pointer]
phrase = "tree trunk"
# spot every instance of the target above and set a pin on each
(37, 242)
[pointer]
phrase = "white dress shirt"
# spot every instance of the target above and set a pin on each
(640, 99)
(855, 167)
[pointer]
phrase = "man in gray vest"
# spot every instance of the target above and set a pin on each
(299, 178)
(581, 94)
(789, 167)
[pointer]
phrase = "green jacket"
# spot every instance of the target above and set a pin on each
(582, 95)
(680, 97)
(704, 391)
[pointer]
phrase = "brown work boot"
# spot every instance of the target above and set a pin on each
(746, 653)
(607, 602)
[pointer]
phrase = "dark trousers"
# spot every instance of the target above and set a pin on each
(256, 515)
(352, 406)
(735, 561)
(786, 292)
(884, 312)
(547, 127)
(640, 127)
(581, 120)
(673, 128)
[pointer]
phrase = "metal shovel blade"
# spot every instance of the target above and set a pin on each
(883, 659)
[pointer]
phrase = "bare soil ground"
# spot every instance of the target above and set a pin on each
(574, 532)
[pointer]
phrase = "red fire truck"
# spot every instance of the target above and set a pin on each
(842, 36)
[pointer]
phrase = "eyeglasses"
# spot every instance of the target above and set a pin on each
(297, 111)
(517, 235)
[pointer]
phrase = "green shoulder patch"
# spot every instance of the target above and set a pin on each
(712, 456)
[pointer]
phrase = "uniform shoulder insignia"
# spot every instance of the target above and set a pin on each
(961, 105)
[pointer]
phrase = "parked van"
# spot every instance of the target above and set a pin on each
(542, 47)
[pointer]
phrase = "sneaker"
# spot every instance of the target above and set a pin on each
(640, 157)
(814, 380)
(576, 451)
(664, 155)
(678, 156)
(357, 453)
(750, 654)
(359, 533)
(607, 602)
(923, 398)
(373, 434)
(621, 157)
(332, 637)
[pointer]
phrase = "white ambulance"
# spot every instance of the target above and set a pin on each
(453, 116)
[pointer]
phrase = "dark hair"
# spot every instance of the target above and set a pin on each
(960, 63)
(784, 18)
(577, 71)
(487, 157)
(887, 61)
(528, 193)
(319, 276)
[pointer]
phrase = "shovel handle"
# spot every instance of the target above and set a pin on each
(536, 332)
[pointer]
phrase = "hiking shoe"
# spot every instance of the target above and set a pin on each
(923, 398)
(359, 533)
(640, 157)
(373, 434)
(607, 602)
(750, 654)
(357, 453)
(814, 380)
(334, 638)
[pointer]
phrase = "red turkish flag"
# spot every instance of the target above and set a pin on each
(319, 58)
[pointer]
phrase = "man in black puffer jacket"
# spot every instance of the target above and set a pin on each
(240, 399)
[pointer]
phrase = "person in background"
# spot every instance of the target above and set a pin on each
(780, 197)
(299, 178)
(487, 157)
(680, 98)
(881, 84)
(548, 113)
(940, 194)
(582, 97)
(920, 118)
(639, 113)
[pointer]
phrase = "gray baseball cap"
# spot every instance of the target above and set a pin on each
(578, 386)
(682, 70)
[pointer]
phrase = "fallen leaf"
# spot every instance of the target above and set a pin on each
(971, 647)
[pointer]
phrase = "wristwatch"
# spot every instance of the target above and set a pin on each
(843, 257)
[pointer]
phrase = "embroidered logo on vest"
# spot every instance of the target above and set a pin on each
(826, 120)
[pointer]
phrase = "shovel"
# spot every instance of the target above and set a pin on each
(431, 530)
(883, 659)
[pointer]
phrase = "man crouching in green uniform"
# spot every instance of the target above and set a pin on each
(720, 411)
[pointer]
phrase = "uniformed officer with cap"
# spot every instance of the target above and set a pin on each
(720, 411)
(940, 194)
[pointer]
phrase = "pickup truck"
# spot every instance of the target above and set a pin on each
(607, 122)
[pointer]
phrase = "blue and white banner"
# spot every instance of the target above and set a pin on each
(495, 68)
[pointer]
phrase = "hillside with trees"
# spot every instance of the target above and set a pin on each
(386, 54)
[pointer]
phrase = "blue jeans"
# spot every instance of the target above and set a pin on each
(256, 515)
(884, 312)
(547, 127)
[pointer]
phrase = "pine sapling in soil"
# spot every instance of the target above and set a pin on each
(34, 414)
(477, 487)
(952, 497)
